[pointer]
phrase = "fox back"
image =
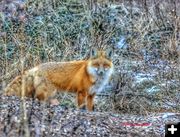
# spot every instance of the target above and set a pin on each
(84, 77)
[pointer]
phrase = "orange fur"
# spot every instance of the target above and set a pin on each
(81, 77)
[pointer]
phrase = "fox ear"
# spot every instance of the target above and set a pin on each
(93, 52)
(109, 53)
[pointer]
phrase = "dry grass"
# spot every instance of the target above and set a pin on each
(66, 30)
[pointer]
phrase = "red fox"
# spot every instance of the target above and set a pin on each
(83, 77)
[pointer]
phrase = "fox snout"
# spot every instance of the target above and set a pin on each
(100, 72)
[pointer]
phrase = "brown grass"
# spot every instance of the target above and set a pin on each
(66, 30)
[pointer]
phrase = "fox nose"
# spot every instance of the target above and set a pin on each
(100, 73)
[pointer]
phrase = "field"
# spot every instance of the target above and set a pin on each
(144, 36)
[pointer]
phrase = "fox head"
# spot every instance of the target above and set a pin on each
(100, 65)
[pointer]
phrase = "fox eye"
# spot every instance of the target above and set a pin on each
(105, 65)
(96, 65)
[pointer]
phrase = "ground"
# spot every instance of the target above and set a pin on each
(46, 120)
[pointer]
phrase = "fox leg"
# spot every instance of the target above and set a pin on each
(41, 93)
(90, 102)
(45, 94)
(81, 96)
(43, 89)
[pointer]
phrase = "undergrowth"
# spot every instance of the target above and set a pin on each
(144, 37)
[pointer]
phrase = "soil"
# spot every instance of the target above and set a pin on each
(43, 119)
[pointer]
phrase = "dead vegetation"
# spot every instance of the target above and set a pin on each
(46, 120)
(143, 35)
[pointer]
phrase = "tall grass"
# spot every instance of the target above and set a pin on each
(58, 30)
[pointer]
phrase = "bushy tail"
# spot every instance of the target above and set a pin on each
(16, 86)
